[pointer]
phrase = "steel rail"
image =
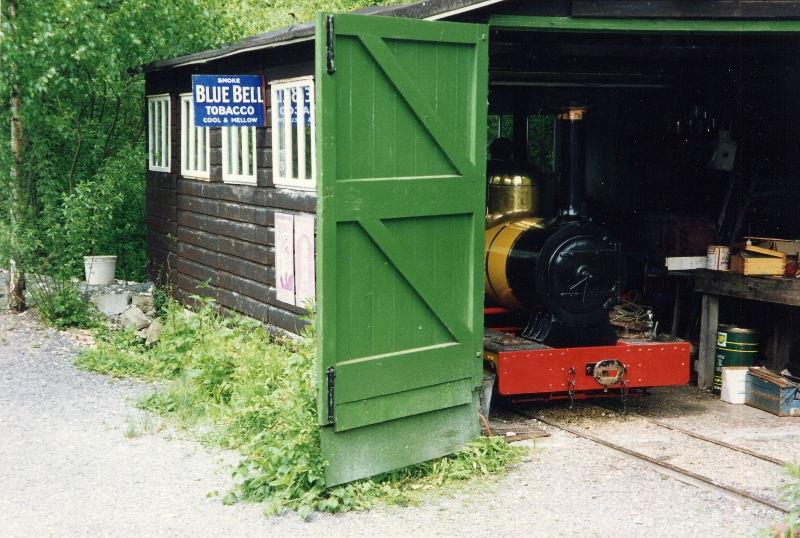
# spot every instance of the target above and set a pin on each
(711, 440)
(674, 468)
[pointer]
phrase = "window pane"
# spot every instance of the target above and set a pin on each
(201, 131)
(244, 134)
(307, 105)
(281, 133)
(252, 158)
(157, 146)
(151, 130)
(228, 151)
(541, 141)
(296, 103)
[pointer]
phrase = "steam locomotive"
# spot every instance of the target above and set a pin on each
(562, 278)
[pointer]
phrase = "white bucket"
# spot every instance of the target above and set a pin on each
(733, 384)
(100, 269)
(718, 258)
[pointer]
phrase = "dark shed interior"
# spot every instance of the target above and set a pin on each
(658, 106)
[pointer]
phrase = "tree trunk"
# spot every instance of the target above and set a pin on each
(16, 277)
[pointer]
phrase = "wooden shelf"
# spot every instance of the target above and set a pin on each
(767, 289)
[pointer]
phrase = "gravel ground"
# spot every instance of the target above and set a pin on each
(78, 459)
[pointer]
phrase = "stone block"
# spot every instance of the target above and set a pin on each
(153, 333)
(112, 304)
(145, 303)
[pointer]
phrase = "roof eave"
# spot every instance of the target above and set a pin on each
(427, 9)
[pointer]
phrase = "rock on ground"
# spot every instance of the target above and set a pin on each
(78, 459)
(133, 319)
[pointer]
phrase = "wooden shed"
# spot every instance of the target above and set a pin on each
(382, 164)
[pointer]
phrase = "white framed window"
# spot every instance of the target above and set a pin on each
(195, 146)
(158, 133)
(239, 155)
(293, 132)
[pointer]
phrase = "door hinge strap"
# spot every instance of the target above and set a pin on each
(331, 382)
(329, 44)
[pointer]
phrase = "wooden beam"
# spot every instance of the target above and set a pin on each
(766, 289)
(686, 8)
(708, 341)
(645, 25)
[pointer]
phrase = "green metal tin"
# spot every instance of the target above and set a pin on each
(736, 346)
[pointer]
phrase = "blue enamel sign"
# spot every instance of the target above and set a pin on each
(228, 100)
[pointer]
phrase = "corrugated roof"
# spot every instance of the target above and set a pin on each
(304, 32)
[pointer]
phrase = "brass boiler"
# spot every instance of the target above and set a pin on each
(511, 195)
(512, 205)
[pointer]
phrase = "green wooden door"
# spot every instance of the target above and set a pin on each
(401, 123)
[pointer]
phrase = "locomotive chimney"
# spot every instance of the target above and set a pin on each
(572, 160)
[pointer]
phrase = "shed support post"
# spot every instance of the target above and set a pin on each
(708, 341)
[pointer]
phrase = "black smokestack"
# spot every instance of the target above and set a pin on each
(572, 160)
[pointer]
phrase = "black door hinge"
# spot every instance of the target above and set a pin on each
(329, 44)
(331, 382)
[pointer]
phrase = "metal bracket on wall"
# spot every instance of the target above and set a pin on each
(329, 44)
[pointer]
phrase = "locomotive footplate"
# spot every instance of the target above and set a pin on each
(530, 371)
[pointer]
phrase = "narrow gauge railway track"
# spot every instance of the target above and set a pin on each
(674, 468)
(701, 437)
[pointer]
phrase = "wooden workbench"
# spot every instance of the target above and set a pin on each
(713, 284)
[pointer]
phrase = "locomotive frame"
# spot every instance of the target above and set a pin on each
(527, 371)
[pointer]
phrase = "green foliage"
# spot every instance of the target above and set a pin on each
(541, 141)
(248, 390)
(106, 215)
(59, 303)
(123, 354)
(76, 66)
(791, 493)
(256, 16)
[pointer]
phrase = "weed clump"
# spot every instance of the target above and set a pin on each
(790, 526)
(59, 303)
(248, 390)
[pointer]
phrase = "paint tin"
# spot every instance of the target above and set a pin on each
(718, 258)
(736, 346)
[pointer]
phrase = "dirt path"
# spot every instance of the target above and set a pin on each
(77, 459)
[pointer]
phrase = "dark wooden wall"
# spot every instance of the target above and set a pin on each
(215, 239)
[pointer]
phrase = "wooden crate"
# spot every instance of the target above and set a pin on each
(771, 392)
(755, 260)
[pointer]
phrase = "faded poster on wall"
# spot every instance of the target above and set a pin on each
(284, 257)
(304, 263)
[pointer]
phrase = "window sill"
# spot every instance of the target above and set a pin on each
(248, 182)
(188, 175)
(294, 187)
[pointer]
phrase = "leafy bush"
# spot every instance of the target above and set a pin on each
(248, 390)
(106, 216)
(59, 302)
(791, 493)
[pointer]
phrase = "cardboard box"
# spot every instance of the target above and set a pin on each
(755, 260)
(686, 263)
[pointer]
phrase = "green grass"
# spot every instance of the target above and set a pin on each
(235, 385)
